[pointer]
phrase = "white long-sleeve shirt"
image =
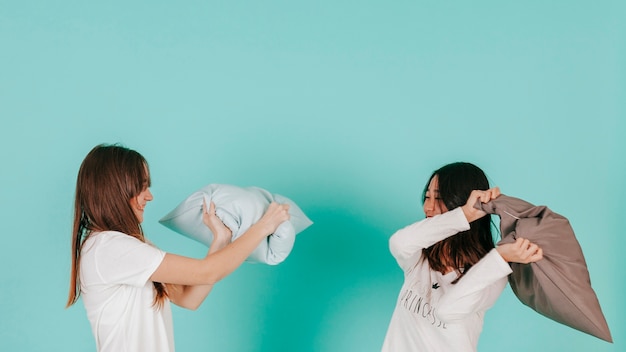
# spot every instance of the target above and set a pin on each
(431, 313)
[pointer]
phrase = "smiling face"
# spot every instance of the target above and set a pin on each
(433, 205)
(138, 203)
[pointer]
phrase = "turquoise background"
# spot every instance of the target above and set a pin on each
(343, 106)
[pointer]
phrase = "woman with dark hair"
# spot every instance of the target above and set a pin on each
(125, 281)
(453, 272)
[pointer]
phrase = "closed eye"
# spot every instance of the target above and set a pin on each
(436, 198)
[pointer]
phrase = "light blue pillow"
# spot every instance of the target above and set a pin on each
(238, 208)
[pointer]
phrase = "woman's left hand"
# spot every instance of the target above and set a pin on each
(521, 251)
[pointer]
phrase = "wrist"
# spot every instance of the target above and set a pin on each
(221, 242)
(469, 213)
(501, 251)
(263, 229)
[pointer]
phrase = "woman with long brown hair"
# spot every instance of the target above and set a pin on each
(126, 283)
(453, 272)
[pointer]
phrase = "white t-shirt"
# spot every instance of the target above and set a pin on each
(431, 313)
(115, 269)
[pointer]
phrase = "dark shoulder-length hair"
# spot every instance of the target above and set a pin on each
(108, 178)
(461, 251)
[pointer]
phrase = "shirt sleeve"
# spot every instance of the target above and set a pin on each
(123, 259)
(406, 244)
(476, 291)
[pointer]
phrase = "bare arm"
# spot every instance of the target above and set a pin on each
(191, 296)
(190, 280)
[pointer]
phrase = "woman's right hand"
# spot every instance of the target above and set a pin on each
(275, 215)
(472, 213)
(222, 234)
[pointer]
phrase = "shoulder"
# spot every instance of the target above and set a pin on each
(100, 238)
(113, 246)
(113, 240)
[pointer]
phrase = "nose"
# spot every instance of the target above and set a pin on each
(149, 196)
(429, 205)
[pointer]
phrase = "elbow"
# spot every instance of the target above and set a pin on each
(395, 245)
(193, 307)
(447, 316)
(188, 298)
(188, 305)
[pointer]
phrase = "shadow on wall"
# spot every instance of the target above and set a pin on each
(335, 291)
(338, 286)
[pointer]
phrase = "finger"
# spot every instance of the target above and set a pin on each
(280, 207)
(491, 194)
(474, 197)
(287, 215)
(212, 208)
(486, 196)
(203, 205)
(525, 243)
(282, 210)
(536, 256)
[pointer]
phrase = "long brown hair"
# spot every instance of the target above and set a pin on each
(461, 251)
(108, 178)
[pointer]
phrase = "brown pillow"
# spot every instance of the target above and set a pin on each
(558, 286)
